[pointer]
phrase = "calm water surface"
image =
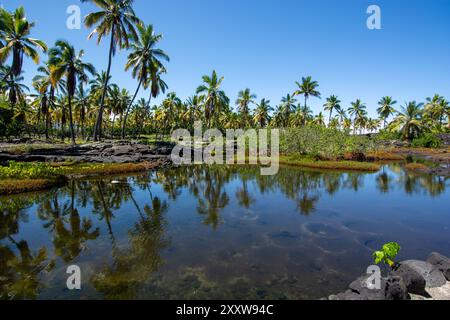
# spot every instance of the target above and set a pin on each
(216, 233)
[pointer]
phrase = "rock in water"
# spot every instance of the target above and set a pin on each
(433, 277)
(441, 262)
(414, 281)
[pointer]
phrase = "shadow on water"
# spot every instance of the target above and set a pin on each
(215, 232)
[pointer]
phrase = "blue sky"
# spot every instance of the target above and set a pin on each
(267, 45)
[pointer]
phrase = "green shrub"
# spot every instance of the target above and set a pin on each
(427, 140)
(387, 254)
(321, 142)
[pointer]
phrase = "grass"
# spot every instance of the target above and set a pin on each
(329, 164)
(28, 177)
(15, 186)
(89, 169)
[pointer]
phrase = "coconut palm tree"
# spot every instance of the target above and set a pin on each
(143, 58)
(358, 111)
(245, 98)
(15, 33)
(386, 108)
(287, 106)
(117, 19)
(215, 98)
(409, 120)
(435, 109)
(13, 87)
(333, 104)
(308, 88)
(155, 82)
(262, 113)
(66, 62)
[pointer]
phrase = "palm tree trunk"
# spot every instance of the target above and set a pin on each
(124, 124)
(72, 131)
(98, 125)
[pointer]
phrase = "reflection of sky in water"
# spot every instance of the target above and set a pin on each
(218, 233)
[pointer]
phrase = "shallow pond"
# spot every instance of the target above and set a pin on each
(216, 233)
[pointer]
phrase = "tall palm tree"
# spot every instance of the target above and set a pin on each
(409, 120)
(215, 98)
(14, 89)
(117, 19)
(15, 32)
(81, 103)
(358, 111)
(261, 116)
(342, 114)
(143, 58)
(245, 98)
(435, 109)
(66, 62)
(308, 88)
(333, 104)
(386, 108)
(156, 84)
(287, 106)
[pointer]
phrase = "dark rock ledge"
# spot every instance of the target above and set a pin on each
(102, 152)
(408, 280)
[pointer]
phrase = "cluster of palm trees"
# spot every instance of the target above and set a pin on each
(61, 83)
(69, 92)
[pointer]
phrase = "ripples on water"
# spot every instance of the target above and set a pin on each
(216, 233)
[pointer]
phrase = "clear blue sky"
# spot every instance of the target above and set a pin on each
(267, 45)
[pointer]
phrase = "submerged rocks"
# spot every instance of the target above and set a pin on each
(433, 277)
(441, 262)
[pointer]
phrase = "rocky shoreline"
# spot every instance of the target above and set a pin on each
(102, 152)
(407, 280)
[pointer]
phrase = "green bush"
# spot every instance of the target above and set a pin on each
(20, 170)
(427, 140)
(321, 142)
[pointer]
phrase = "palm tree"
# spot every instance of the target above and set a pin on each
(409, 120)
(342, 114)
(261, 115)
(215, 98)
(116, 18)
(142, 59)
(15, 31)
(245, 97)
(435, 108)
(386, 108)
(81, 103)
(358, 111)
(333, 104)
(308, 88)
(14, 88)
(65, 61)
(155, 82)
(287, 106)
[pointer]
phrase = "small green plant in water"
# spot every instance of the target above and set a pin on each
(387, 254)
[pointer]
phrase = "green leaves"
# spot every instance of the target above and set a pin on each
(387, 254)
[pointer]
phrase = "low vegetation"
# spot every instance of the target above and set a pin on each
(26, 177)
(387, 254)
(342, 165)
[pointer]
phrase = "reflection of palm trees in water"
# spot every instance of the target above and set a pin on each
(20, 275)
(70, 232)
(134, 265)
